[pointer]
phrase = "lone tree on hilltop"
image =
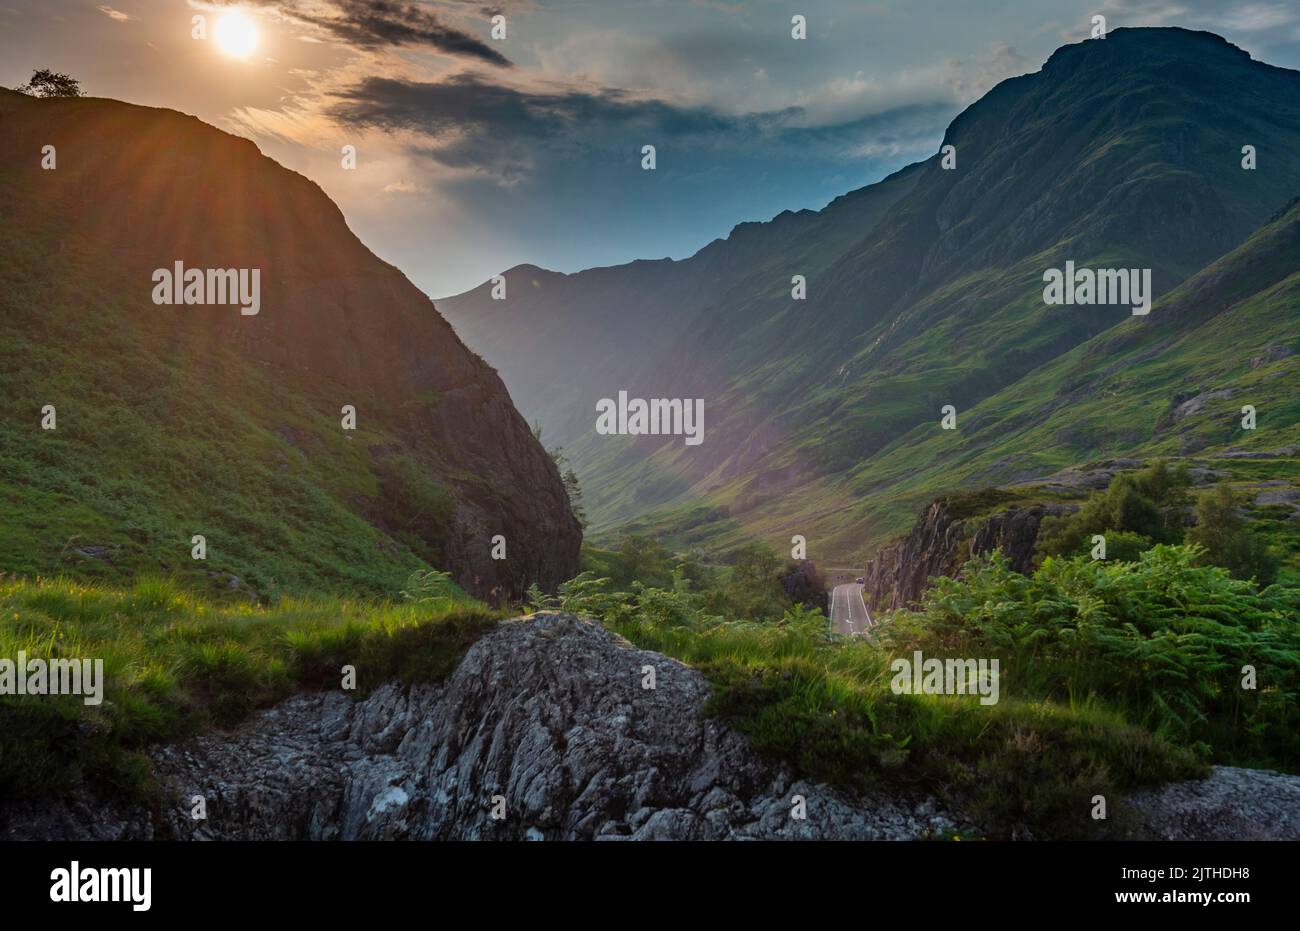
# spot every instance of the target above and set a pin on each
(47, 83)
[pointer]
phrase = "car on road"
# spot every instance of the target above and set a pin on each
(860, 580)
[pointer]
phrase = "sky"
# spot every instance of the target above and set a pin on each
(476, 153)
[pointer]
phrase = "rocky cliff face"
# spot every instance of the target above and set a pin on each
(939, 543)
(545, 731)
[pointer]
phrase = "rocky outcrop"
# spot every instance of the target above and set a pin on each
(804, 583)
(940, 543)
(547, 731)
(546, 720)
(1232, 804)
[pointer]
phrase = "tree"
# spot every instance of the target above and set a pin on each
(574, 491)
(641, 559)
(46, 83)
(695, 574)
(755, 590)
(569, 479)
(804, 585)
(1148, 505)
(567, 476)
(1167, 487)
(1221, 530)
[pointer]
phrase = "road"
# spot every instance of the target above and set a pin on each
(849, 614)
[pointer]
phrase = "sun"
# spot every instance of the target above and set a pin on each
(235, 34)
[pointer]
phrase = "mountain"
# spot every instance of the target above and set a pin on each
(926, 289)
(625, 319)
(172, 420)
(1169, 385)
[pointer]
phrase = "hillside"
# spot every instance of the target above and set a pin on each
(180, 420)
(926, 290)
(1169, 385)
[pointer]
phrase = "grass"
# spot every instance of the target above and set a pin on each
(285, 492)
(177, 663)
(826, 708)
(1113, 676)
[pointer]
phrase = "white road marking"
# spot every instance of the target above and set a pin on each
(853, 620)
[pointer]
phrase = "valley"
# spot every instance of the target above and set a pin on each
(993, 533)
(926, 289)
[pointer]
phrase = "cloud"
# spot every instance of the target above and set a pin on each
(473, 126)
(476, 127)
(375, 24)
(1247, 16)
(714, 65)
(113, 14)
(466, 100)
(404, 187)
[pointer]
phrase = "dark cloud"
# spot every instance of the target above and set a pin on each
(511, 134)
(508, 133)
(467, 102)
(379, 23)
(491, 7)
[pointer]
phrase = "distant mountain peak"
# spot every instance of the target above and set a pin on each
(1140, 42)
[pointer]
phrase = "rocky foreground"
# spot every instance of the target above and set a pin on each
(546, 731)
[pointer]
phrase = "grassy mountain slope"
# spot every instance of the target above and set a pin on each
(182, 420)
(1171, 384)
(1123, 152)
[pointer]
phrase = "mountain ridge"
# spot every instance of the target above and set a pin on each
(1123, 151)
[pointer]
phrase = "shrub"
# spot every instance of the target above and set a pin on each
(1164, 640)
(1222, 532)
(1148, 504)
(1114, 675)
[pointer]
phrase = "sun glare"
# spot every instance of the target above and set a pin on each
(235, 34)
